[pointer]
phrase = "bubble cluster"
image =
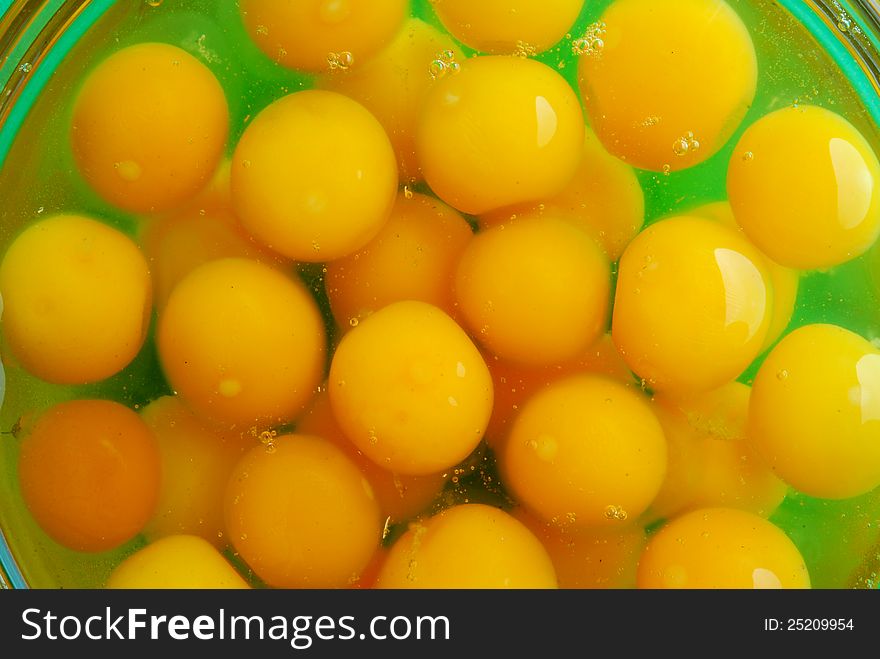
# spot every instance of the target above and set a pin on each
(592, 42)
(341, 61)
(443, 65)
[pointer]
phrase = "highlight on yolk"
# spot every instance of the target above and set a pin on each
(711, 461)
(196, 462)
(412, 258)
(604, 198)
(77, 298)
(593, 558)
(721, 548)
(410, 389)
(316, 35)
(89, 474)
(467, 546)
(520, 307)
(314, 176)
(393, 85)
(693, 304)
(176, 561)
(301, 515)
(585, 451)
(803, 184)
(242, 343)
(653, 92)
(785, 281)
(149, 127)
(815, 412)
(399, 496)
(502, 131)
(524, 27)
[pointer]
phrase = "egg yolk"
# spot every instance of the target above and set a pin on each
(176, 562)
(410, 389)
(502, 131)
(520, 307)
(785, 281)
(301, 515)
(693, 304)
(524, 27)
(196, 462)
(585, 451)
(77, 298)
(242, 343)
(412, 258)
(312, 34)
(393, 85)
(650, 82)
(314, 176)
(604, 199)
(149, 127)
(803, 184)
(721, 548)
(468, 546)
(89, 473)
(814, 414)
(399, 496)
(711, 461)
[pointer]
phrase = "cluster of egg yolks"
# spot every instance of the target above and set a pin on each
(721, 548)
(399, 496)
(645, 88)
(604, 198)
(814, 414)
(502, 131)
(242, 343)
(521, 309)
(693, 304)
(410, 389)
(803, 184)
(301, 514)
(149, 127)
(412, 258)
(393, 85)
(589, 557)
(467, 546)
(711, 461)
(196, 462)
(314, 176)
(308, 34)
(784, 281)
(176, 561)
(524, 27)
(77, 298)
(89, 473)
(585, 451)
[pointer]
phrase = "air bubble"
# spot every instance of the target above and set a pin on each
(443, 64)
(25, 67)
(685, 145)
(591, 43)
(342, 61)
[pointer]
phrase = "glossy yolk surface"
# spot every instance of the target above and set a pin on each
(176, 561)
(693, 304)
(314, 176)
(721, 548)
(646, 89)
(412, 258)
(803, 184)
(410, 389)
(76, 297)
(301, 514)
(89, 472)
(149, 127)
(815, 412)
(302, 34)
(500, 552)
(585, 451)
(520, 308)
(242, 343)
(526, 27)
(502, 131)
